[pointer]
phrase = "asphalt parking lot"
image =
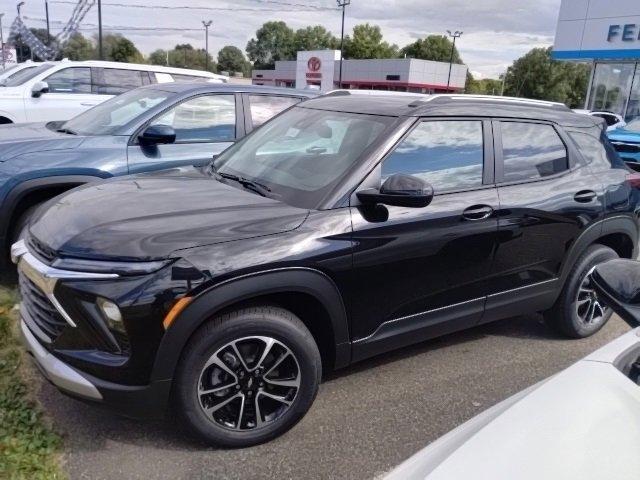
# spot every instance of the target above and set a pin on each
(365, 420)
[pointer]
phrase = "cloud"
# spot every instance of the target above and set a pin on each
(495, 31)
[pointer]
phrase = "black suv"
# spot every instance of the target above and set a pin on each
(347, 226)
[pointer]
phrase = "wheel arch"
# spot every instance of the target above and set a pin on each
(283, 287)
(34, 191)
(620, 233)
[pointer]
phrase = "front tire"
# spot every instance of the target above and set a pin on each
(578, 312)
(247, 377)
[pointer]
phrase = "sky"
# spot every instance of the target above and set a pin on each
(496, 32)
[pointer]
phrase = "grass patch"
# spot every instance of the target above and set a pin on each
(29, 449)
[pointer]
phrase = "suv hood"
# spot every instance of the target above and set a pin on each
(623, 135)
(149, 216)
(18, 139)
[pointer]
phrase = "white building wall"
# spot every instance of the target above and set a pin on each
(362, 73)
(584, 29)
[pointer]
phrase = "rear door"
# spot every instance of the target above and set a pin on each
(548, 197)
(205, 126)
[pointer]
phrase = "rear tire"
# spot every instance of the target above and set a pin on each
(578, 313)
(261, 368)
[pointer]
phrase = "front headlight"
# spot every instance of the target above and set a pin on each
(120, 268)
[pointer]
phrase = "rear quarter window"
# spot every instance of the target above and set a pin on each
(531, 151)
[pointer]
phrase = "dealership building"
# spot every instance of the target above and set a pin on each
(605, 33)
(321, 69)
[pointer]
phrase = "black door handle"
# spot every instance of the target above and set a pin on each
(585, 196)
(477, 212)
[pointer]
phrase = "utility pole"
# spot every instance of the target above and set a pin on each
(504, 79)
(206, 42)
(455, 35)
(2, 41)
(343, 4)
(100, 50)
(19, 6)
(46, 11)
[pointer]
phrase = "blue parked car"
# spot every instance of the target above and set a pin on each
(151, 128)
(626, 141)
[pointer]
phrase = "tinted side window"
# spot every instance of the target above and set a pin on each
(590, 147)
(188, 78)
(115, 81)
(263, 107)
(70, 80)
(531, 151)
(209, 118)
(447, 154)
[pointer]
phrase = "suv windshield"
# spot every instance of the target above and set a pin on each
(302, 154)
(108, 117)
(26, 74)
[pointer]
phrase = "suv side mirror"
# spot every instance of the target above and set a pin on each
(39, 88)
(157, 135)
(399, 190)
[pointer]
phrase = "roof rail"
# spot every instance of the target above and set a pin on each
(344, 91)
(494, 98)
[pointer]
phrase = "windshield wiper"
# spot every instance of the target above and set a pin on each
(67, 130)
(257, 187)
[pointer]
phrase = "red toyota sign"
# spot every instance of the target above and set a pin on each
(314, 64)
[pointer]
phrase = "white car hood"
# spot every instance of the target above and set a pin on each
(584, 424)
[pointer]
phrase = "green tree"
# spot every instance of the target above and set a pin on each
(78, 47)
(536, 75)
(231, 59)
(314, 38)
(117, 48)
(183, 56)
(274, 41)
(367, 42)
(485, 86)
(433, 47)
(158, 57)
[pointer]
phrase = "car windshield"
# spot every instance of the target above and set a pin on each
(301, 155)
(108, 117)
(26, 74)
(633, 125)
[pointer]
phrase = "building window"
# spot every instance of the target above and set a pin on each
(611, 87)
(633, 106)
(393, 77)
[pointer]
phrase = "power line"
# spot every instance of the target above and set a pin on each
(294, 7)
(120, 27)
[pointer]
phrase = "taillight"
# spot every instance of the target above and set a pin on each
(633, 179)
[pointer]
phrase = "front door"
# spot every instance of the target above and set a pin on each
(70, 94)
(421, 272)
(205, 126)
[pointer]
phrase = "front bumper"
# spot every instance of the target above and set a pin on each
(139, 401)
(145, 402)
(60, 374)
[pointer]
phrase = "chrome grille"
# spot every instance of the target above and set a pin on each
(40, 310)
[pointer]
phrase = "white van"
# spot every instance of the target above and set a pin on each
(62, 90)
